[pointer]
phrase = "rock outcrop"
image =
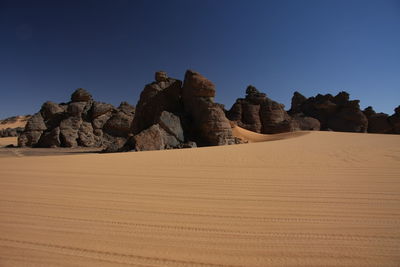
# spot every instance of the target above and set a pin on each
(81, 122)
(11, 132)
(377, 122)
(206, 120)
(394, 121)
(337, 113)
(256, 112)
(171, 114)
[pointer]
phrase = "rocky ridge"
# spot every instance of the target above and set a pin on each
(80, 122)
(176, 114)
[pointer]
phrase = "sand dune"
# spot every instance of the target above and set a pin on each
(5, 141)
(252, 137)
(20, 121)
(320, 199)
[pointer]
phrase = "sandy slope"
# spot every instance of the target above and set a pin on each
(4, 141)
(20, 121)
(321, 199)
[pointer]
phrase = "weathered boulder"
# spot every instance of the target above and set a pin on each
(33, 130)
(50, 109)
(297, 101)
(206, 120)
(50, 138)
(81, 95)
(29, 138)
(35, 123)
(11, 132)
(98, 122)
(81, 122)
(118, 125)
(377, 122)
(76, 109)
(172, 125)
(394, 120)
(86, 136)
(69, 129)
(256, 112)
(100, 108)
(120, 122)
(152, 138)
(162, 95)
(337, 113)
(274, 118)
(161, 76)
(304, 123)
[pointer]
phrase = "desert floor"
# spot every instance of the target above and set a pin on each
(317, 199)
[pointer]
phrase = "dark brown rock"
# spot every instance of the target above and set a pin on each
(50, 138)
(98, 122)
(159, 96)
(86, 137)
(337, 113)
(394, 120)
(33, 130)
(161, 76)
(69, 129)
(29, 138)
(207, 121)
(35, 123)
(76, 109)
(304, 123)
(100, 108)
(50, 109)
(172, 125)
(150, 139)
(81, 95)
(297, 102)
(256, 112)
(119, 124)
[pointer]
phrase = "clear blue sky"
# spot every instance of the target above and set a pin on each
(112, 48)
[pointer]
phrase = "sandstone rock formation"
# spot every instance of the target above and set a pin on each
(337, 113)
(81, 122)
(256, 112)
(205, 119)
(11, 132)
(171, 115)
(377, 122)
(394, 120)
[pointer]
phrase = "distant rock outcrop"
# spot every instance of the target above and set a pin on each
(11, 132)
(377, 122)
(13, 126)
(256, 112)
(81, 122)
(337, 113)
(394, 120)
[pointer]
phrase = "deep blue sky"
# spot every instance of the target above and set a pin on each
(112, 48)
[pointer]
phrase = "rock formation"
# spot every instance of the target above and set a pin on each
(256, 112)
(394, 121)
(170, 114)
(11, 132)
(13, 126)
(175, 114)
(205, 119)
(81, 122)
(377, 122)
(337, 113)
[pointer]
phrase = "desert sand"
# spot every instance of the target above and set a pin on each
(317, 199)
(20, 121)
